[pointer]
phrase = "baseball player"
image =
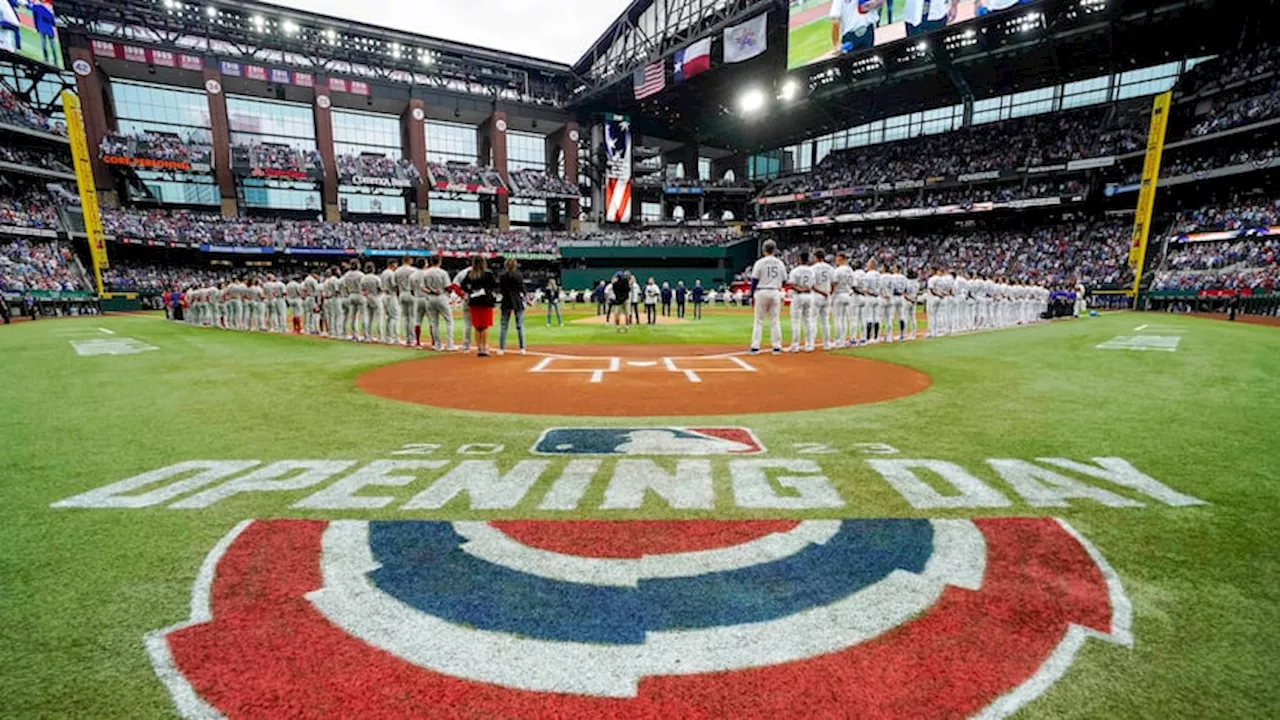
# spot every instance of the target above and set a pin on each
(959, 294)
(279, 291)
(410, 329)
(332, 304)
(352, 301)
(932, 304)
(801, 282)
(823, 286)
(370, 304)
(853, 25)
(390, 304)
(872, 303)
(767, 276)
(466, 309)
(896, 313)
(857, 302)
(257, 305)
(435, 286)
(309, 294)
(842, 301)
(239, 313)
(911, 296)
(293, 294)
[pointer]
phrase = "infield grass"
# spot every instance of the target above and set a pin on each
(80, 587)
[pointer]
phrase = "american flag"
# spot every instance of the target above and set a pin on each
(649, 80)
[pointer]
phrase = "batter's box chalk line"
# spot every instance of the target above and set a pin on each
(733, 364)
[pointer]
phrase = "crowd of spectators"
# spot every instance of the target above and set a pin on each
(378, 166)
(30, 158)
(1229, 68)
(1251, 252)
(1236, 213)
(160, 147)
(459, 173)
(1194, 158)
(656, 237)
(1259, 281)
(275, 157)
(1240, 107)
(1053, 256)
(15, 112)
(528, 182)
(26, 265)
(129, 276)
(964, 196)
(28, 209)
(1021, 142)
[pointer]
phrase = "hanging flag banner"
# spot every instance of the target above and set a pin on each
(617, 149)
(745, 41)
(693, 60)
(649, 80)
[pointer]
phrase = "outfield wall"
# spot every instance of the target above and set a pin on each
(583, 266)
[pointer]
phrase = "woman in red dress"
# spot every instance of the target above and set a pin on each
(480, 288)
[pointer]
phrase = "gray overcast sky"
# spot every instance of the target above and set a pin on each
(557, 30)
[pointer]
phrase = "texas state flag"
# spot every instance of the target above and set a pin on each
(693, 60)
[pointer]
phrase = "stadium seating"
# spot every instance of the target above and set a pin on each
(14, 112)
(377, 166)
(30, 209)
(465, 177)
(30, 158)
(536, 183)
(27, 265)
(157, 148)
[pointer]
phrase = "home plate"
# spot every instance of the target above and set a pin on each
(642, 363)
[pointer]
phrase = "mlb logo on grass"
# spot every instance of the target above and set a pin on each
(664, 440)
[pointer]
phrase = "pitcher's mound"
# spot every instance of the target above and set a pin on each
(643, 380)
(600, 320)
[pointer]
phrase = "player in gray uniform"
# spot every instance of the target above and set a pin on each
(435, 286)
(293, 295)
(309, 294)
(353, 301)
(371, 313)
(823, 285)
(801, 282)
(331, 293)
(466, 314)
(235, 305)
(390, 305)
(273, 290)
(408, 303)
(257, 305)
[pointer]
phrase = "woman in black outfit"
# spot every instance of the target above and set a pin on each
(480, 288)
(511, 285)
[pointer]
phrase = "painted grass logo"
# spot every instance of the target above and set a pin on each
(648, 441)
(818, 618)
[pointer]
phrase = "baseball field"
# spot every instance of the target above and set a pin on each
(1071, 519)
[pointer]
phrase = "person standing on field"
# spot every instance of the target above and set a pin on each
(390, 304)
(698, 296)
(408, 303)
(553, 301)
(767, 276)
(636, 294)
(651, 295)
(621, 290)
(370, 284)
(435, 285)
(511, 287)
(480, 288)
(801, 282)
(666, 299)
(466, 305)
(682, 296)
(353, 301)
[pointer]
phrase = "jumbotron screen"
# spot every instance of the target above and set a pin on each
(29, 28)
(819, 30)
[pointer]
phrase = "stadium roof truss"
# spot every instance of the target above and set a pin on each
(244, 30)
(652, 29)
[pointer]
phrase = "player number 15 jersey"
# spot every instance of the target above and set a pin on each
(769, 273)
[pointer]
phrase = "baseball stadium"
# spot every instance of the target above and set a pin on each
(649, 359)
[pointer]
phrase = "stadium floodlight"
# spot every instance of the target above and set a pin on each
(922, 45)
(751, 101)
(331, 35)
(395, 50)
(170, 4)
(290, 27)
(790, 89)
(259, 23)
(211, 11)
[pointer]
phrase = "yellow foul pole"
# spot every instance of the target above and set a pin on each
(88, 191)
(1147, 190)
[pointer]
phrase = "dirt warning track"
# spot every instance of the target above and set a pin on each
(643, 380)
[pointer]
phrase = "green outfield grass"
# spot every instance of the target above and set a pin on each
(80, 587)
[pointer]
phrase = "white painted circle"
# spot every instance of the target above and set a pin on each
(82, 67)
(212, 86)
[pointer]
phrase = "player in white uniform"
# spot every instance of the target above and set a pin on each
(408, 303)
(959, 296)
(279, 313)
(767, 277)
(1080, 307)
(842, 301)
(897, 310)
(293, 296)
(257, 305)
(857, 303)
(331, 291)
(925, 16)
(932, 303)
(435, 287)
(872, 303)
(466, 313)
(309, 293)
(823, 286)
(853, 24)
(390, 304)
(236, 309)
(801, 282)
